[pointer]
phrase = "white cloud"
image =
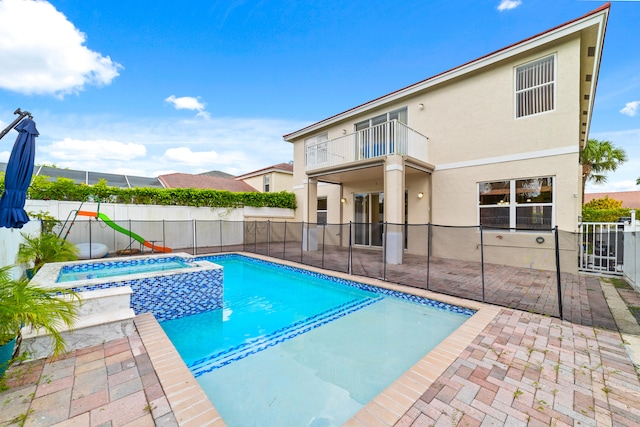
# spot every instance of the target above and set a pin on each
(80, 151)
(4, 156)
(185, 156)
(95, 143)
(509, 4)
(631, 108)
(186, 103)
(44, 54)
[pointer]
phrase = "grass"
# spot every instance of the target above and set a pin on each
(635, 311)
(620, 283)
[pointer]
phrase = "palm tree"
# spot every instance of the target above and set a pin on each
(24, 304)
(598, 158)
(45, 248)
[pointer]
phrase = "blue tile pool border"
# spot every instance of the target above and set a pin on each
(362, 286)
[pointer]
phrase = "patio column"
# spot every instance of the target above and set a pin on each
(310, 215)
(394, 207)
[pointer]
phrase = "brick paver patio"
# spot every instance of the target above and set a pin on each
(113, 384)
(529, 370)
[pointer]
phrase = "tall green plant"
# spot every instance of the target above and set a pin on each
(39, 250)
(23, 304)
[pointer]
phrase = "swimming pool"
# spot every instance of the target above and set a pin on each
(292, 347)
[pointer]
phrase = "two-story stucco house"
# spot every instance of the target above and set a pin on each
(494, 142)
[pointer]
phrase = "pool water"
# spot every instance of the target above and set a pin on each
(122, 268)
(291, 349)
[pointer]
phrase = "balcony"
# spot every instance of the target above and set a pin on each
(387, 138)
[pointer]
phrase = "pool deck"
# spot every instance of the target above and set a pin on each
(501, 367)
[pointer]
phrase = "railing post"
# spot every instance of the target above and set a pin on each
(558, 273)
(324, 229)
(302, 241)
(350, 257)
(244, 232)
(255, 236)
(268, 237)
(130, 238)
(220, 221)
(284, 243)
(482, 259)
(428, 253)
(90, 242)
(193, 230)
(384, 251)
(195, 236)
(164, 241)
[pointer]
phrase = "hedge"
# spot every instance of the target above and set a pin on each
(42, 188)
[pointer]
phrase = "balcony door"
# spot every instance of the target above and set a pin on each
(369, 219)
(375, 136)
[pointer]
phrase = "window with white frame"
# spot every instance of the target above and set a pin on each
(322, 210)
(376, 136)
(317, 147)
(535, 87)
(266, 180)
(523, 204)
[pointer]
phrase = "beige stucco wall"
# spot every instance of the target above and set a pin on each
(474, 137)
(279, 181)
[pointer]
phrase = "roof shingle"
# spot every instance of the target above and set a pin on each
(185, 180)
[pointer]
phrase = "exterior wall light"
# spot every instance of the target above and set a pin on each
(343, 200)
(420, 195)
(420, 106)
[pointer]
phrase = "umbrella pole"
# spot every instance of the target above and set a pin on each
(21, 115)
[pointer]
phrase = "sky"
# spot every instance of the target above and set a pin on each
(149, 88)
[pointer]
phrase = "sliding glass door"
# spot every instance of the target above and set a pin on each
(369, 219)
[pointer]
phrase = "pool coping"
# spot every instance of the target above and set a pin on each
(191, 406)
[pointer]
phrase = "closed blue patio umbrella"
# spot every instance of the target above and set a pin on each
(18, 176)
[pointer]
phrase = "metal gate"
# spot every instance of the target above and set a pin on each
(602, 247)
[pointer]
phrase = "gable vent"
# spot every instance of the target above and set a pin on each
(591, 51)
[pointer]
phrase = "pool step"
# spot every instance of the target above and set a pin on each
(104, 315)
(239, 352)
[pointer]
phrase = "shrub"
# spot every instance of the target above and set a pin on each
(604, 203)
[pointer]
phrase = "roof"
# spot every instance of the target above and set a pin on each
(483, 61)
(91, 177)
(185, 180)
(630, 199)
(219, 174)
(280, 167)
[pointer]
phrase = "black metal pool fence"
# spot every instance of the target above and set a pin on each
(528, 270)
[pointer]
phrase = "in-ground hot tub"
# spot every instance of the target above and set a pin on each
(112, 292)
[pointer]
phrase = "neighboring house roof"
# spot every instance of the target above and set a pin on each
(185, 180)
(629, 199)
(280, 167)
(486, 60)
(218, 174)
(91, 178)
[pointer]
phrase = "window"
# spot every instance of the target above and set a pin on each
(376, 136)
(317, 149)
(535, 87)
(523, 204)
(322, 210)
(265, 183)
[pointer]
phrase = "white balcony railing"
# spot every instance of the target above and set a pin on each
(387, 138)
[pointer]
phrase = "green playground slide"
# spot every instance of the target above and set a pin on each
(122, 230)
